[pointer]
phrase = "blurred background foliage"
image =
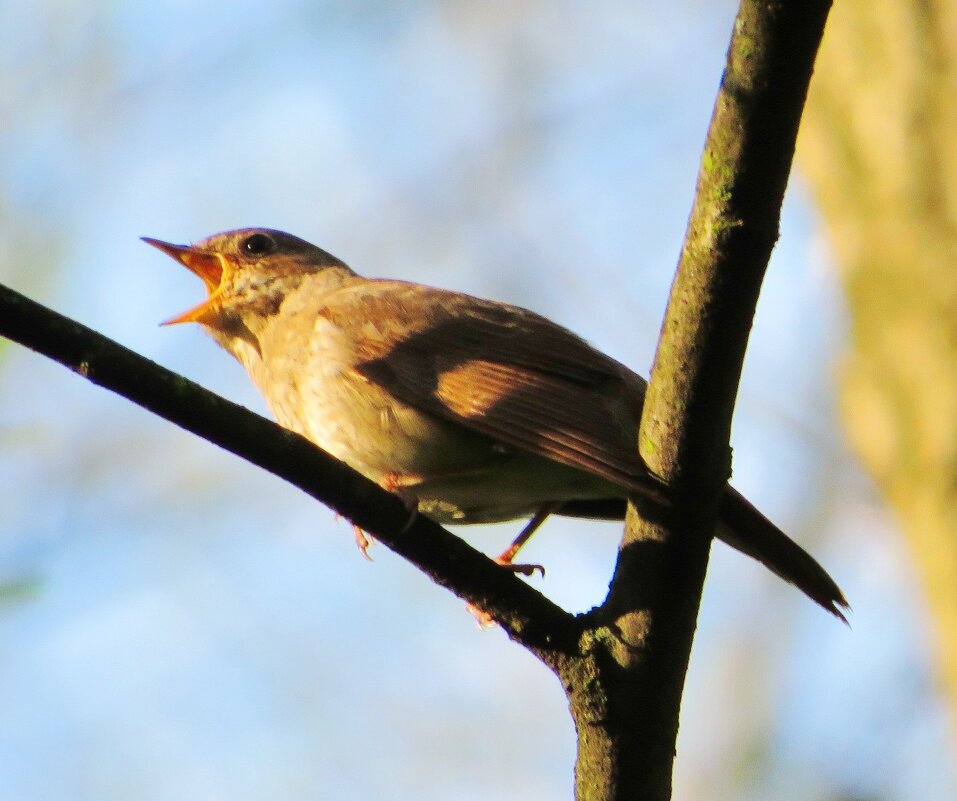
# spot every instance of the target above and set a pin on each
(882, 161)
(176, 625)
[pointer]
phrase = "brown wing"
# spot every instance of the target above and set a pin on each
(504, 372)
(526, 382)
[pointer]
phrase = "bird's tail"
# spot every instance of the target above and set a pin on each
(743, 527)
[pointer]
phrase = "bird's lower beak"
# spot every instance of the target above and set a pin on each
(208, 266)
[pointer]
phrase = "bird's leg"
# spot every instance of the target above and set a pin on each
(505, 557)
(393, 483)
(483, 618)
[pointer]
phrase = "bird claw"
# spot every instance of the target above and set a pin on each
(413, 516)
(482, 618)
(396, 484)
(363, 541)
(524, 570)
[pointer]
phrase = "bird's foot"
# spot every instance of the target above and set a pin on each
(521, 569)
(412, 507)
(402, 485)
(363, 541)
(483, 618)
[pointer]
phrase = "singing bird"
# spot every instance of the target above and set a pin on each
(473, 411)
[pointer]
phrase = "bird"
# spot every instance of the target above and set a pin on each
(471, 410)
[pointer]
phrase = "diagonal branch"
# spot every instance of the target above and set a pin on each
(527, 615)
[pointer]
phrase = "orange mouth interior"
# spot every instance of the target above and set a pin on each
(208, 266)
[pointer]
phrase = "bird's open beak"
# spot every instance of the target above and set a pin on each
(208, 266)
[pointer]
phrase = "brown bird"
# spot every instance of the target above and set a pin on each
(473, 411)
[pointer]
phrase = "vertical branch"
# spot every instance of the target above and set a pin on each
(628, 727)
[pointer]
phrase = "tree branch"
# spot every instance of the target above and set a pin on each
(528, 616)
(630, 712)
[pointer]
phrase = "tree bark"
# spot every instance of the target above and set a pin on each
(626, 696)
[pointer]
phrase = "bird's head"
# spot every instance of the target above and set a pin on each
(248, 273)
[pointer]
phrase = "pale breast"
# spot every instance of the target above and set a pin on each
(306, 374)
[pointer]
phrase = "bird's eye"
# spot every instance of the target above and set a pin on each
(258, 245)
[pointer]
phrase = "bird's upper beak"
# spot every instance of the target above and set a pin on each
(208, 266)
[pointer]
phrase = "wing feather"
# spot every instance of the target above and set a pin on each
(505, 372)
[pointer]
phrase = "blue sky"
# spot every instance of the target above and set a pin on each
(190, 628)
